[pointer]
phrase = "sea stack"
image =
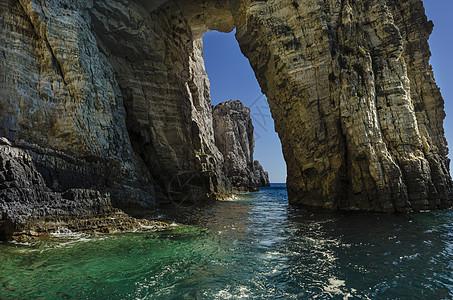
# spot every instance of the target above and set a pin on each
(233, 131)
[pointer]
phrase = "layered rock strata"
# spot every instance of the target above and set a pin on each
(29, 209)
(59, 97)
(233, 130)
(160, 71)
(112, 96)
(354, 101)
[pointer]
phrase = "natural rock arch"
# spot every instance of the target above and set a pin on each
(352, 95)
(121, 85)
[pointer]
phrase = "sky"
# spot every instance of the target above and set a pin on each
(441, 42)
(232, 77)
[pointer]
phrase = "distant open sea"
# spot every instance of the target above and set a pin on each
(254, 246)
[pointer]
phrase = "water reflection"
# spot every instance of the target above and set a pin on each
(372, 255)
(290, 252)
(255, 247)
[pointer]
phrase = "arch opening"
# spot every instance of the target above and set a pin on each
(232, 78)
(329, 97)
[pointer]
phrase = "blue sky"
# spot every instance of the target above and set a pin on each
(441, 42)
(232, 78)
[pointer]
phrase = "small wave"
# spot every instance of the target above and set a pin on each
(231, 198)
(406, 258)
(26, 244)
(334, 286)
(66, 233)
(62, 231)
(241, 292)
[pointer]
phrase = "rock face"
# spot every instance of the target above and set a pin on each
(233, 130)
(261, 177)
(354, 101)
(112, 96)
(30, 209)
(160, 71)
(60, 99)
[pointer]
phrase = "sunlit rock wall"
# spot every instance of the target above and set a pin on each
(354, 101)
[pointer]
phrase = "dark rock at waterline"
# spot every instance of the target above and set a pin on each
(29, 209)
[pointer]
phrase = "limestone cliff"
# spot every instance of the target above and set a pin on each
(233, 130)
(112, 96)
(160, 71)
(60, 100)
(354, 101)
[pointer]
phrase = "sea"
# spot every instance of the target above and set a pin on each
(252, 246)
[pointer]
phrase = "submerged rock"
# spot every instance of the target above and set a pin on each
(233, 130)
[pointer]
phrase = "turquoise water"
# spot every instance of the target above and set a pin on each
(255, 247)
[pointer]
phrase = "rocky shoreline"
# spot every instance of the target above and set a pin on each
(42, 190)
(30, 209)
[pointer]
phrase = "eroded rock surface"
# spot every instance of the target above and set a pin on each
(59, 96)
(234, 137)
(29, 209)
(112, 96)
(261, 177)
(160, 70)
(354, 101)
